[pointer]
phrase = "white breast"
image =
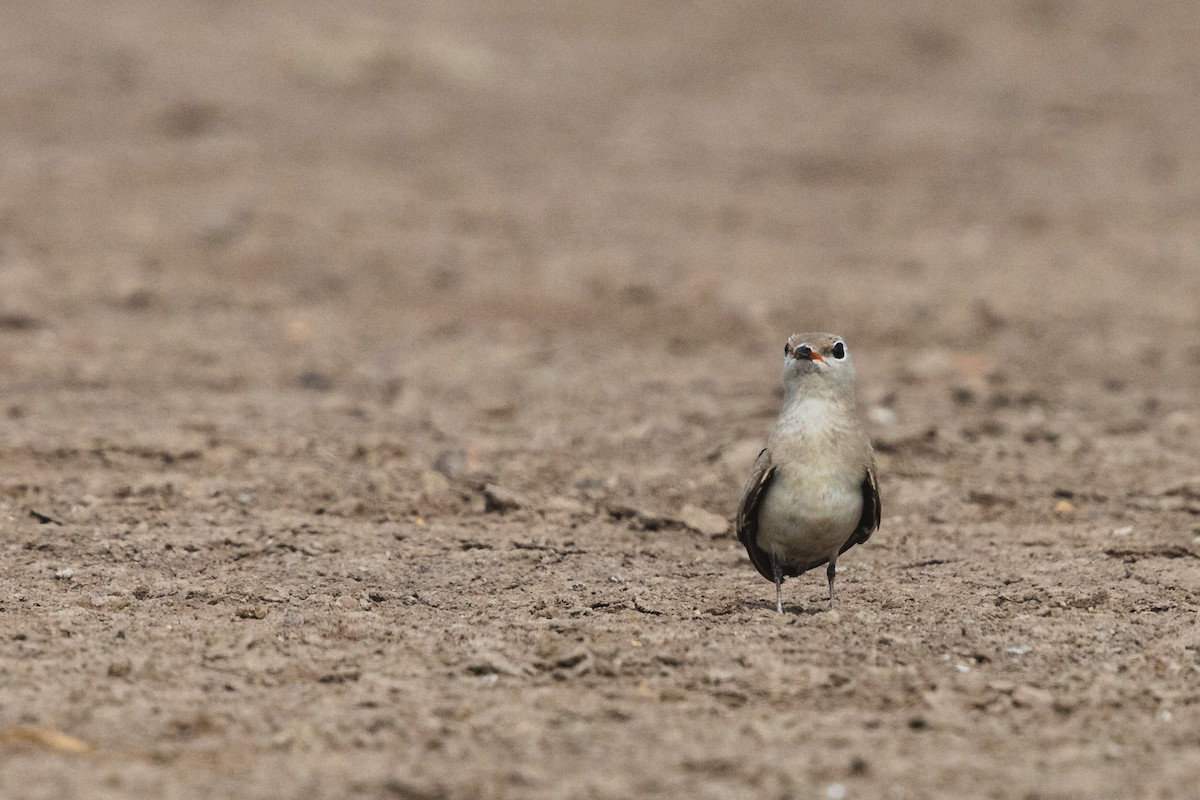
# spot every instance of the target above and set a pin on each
(814, 502)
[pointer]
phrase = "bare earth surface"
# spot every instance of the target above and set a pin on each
(377, 381)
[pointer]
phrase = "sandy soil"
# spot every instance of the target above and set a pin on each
(378, 380)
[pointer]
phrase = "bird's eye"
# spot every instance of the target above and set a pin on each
(787, 349)
(839, 350)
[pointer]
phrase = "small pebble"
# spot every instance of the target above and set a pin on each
(882, 415)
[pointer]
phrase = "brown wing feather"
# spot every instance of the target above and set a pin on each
(747, 514)
(869, 522)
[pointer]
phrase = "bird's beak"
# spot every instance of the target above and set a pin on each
(806, 353)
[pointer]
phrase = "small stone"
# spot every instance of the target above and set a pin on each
(1064, 508)
(252, 612)
(499, 500)
(882, 415)
(493, 663)
(1092, 600)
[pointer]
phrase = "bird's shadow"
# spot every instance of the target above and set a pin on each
(787, 608)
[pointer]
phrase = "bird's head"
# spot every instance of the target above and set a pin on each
(815, 360)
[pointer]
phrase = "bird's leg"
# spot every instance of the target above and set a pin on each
(830, 572)
(778, 570)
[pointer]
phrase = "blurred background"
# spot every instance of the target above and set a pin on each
(721, 174)
(545, 206)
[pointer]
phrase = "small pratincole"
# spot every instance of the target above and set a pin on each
(813, 494)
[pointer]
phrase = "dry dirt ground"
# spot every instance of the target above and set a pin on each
(378, 380)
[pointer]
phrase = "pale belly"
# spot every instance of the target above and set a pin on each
(806, 520)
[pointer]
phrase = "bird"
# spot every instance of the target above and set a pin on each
(813, 492)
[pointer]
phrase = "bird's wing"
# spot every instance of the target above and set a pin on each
(747, 514)
(869, 521)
